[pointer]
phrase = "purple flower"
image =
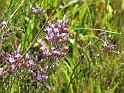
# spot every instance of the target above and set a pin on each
(61, 54)
(27, 56)
(63, 35)
(56, 31)
(13, 66)
(45, 54)
(35, 10)
(48, 38)
(39, 78)
(42, 60)
(43, 48)
(52, 26)
(47, 86)
(8, 33)
(3, 23)
(40, 41)
(65, 30)
(30, 72)
(12, 69)
(11, 60)
(19, 65)
(48, 30)
(1, 71)
(104, 33)
(31, 62)
(52, 48)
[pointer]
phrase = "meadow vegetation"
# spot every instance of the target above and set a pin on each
(61, 46)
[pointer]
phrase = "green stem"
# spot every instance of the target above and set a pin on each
(16, 9)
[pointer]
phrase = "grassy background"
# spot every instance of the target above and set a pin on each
(80, 71)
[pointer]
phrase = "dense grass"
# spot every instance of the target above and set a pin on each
(88, 67)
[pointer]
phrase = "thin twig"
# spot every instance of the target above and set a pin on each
(16, 9)
(97, 30)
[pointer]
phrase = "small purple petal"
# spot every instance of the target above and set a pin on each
(52, 48)
(11, 60)
(31, 62)
(30, 72)
(39, 78)
(43, 48)
(27, 56)
(40, 41)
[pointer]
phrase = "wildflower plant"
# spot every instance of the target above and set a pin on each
(39, 63)
(106, 45)
(34, 52)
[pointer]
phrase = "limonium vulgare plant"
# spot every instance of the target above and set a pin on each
(106, 44)
(38, 64)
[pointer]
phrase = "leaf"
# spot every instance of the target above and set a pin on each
(91, 86)
(113, 89)
(98, 86)
(69, 62)
(122, 6)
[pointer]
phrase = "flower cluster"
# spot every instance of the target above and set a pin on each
(35, 10)
(3, 23)
(56, 37)
(52, 46)
(107, 46)
(27, 62)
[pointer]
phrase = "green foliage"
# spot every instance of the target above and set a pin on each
(80, 71)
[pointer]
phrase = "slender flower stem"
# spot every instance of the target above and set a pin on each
(16, 9)
(97, 30)
(38, 34)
